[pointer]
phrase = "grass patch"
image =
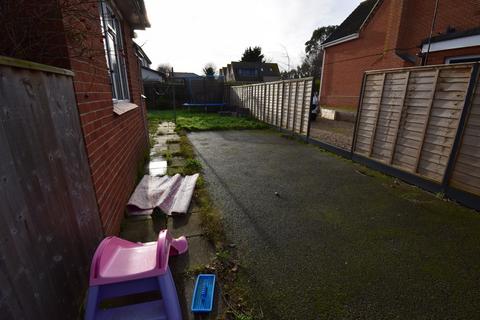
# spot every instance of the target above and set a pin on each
(153, 123)
(197, 121)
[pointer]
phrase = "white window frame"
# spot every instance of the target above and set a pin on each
(450, 59)
(457, 43)
(114, 52)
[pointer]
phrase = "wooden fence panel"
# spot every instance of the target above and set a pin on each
(466, 172)
(285, 104)
(408, 118)
(49, 220)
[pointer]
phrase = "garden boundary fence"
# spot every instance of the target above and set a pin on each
(283, 104)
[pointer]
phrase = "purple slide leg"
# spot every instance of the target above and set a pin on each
(90, 310)
(169, 296)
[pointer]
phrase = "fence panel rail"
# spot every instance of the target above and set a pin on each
(284, 104)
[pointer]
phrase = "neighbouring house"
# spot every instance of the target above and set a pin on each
(142, 56)
(382, 34)
(250, 72)
(148, 75)
(94, 40)
(186, 76)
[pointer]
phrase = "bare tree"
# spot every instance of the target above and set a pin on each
(165, 68)
(209, 70)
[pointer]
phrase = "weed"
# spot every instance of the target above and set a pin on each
(440, 195)
(196, 270)
(192, 166)
(223, 255)
(168, 157)
(200, 182)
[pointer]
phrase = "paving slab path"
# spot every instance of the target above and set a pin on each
(146, 228)
(338, 241)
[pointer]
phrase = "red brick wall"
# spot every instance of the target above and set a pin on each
(396, 25)
(375, 49)
(116, 144)
(418, 15)
(440, 56)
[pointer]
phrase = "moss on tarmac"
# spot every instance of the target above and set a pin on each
(340, 241)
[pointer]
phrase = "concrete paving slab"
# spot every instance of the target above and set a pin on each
(185, 225)
(174, 148)
(200, 253)
(157, 168)
(178, 162)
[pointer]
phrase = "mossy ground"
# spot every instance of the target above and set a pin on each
(342, 241)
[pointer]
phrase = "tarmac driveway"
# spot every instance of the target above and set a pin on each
(340, 241)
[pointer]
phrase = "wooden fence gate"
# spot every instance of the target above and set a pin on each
(423, 122)
(284, 104)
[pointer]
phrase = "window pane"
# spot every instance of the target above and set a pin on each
(114, 54)
(114, 67)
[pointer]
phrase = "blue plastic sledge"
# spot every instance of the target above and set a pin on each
(203, 294)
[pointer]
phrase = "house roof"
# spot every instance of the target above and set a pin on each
(150, 75)
(141, 52)
(185, 75)
(267, 69)
(354, 21)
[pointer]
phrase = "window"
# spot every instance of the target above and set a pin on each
(114, 52)
(247, 72)
(463, 59)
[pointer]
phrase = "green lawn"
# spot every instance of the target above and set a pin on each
(200, 121)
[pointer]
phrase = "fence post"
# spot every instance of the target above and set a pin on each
(274, 103)
(295, 108)
(250, 104)
(302, 117)
(461, 126)
(265, 87)
(308, 108)
(254, 101)
(283, 104)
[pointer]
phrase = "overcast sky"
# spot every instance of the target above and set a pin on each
(187, 34)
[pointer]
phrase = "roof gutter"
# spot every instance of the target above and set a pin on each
(350, 37)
